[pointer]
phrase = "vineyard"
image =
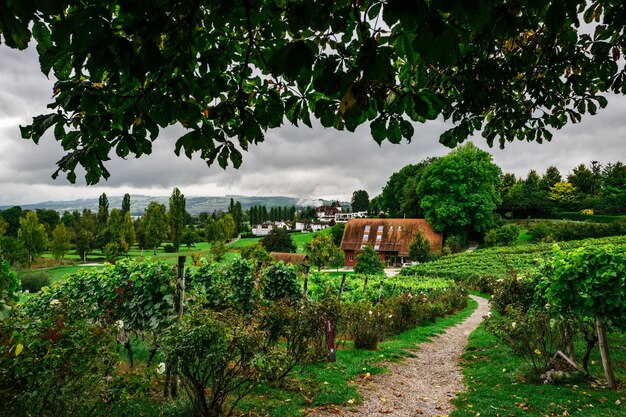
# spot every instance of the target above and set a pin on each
(498, 262)
(240, 328)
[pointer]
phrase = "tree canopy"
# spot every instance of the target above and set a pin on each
(229, 71)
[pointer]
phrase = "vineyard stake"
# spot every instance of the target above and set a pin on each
(343, 284)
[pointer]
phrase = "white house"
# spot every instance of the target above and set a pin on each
(316, 227)
(262, 229)
(344, 217)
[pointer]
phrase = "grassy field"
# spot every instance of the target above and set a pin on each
(498, 385)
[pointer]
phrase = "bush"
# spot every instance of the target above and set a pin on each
(219, 359)
(279, 281)
(365, 323)
(57, 364)
(35, 281)
(419, 250)
(406, 312)
(514, 293)
(456, 242)
(169, 248)
(575, 230)
(502, 236)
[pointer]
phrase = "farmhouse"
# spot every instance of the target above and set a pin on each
(391, 238)
(297, 259)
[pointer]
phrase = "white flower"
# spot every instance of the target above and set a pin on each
(160, 368)
(513, 324)
(54, 302)
(370, 312)
(390, 316)
(119, 324)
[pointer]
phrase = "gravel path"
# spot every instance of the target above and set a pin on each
(422, 386)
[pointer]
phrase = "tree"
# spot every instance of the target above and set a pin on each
(213, 231)
(126, 203)
(128, 229)
(336, 232)
(86, 233)
(3, 226)
(551, 177)
(218, 250)
(278, 240)
(155, 224)
(232, 71)
(360, 200)
(589, 282)
(103, 210)
(368, 262)
(320, 250)
(563, 194)
(176, 216)
(189, 237)
(33, 235)
(12, 217)
(419, 249)
(228, 227)
(583, 179)
(460, 191)
(60, 241)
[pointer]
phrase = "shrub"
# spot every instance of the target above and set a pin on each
(169, 248)
(35, 281)
(219, 359)
(365, 323)
(406, 312)
(502, 236)
(368, 262)
(419, 250)
(279, 281)
(514, 293)
(55, 364)
(456, 242)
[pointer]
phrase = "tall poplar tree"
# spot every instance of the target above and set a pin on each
(176, 216)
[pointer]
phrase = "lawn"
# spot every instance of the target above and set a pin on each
(498, 386)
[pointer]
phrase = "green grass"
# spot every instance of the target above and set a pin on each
(300, 239)
(334, 383)
(498, 385)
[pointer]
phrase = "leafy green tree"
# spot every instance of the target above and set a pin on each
(86, 233)
(460, 191)
(113, 238)
(189, 237)
(368, 262)
(338, 258)
(33, 235)
(12, 217)
(563, 194)
(590, 282)
(360, 200)
(49, 218)
(126, 203)
(103, 210)
(218, 250)
(278, 240)
(128, 229)
(320, 250)
(550, 178)
(232, 71)
(614, 188)
(213, 231)
(336, 233)
(3, 226)
(155, 224)
(176, 217)
(583, 180)
(60, 241)
(228, 226)
(419, 249)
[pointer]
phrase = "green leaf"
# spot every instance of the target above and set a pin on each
(378, 129)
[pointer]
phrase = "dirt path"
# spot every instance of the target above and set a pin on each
(422, 386)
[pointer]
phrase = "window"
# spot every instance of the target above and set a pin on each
(366, 237)
(351, 258)
(399, 228)
(367, 228)
(380, 228)
(391, 228)
(363, 246)
(376, 247)
(379, 237)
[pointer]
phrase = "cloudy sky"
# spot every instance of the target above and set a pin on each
(298, 162)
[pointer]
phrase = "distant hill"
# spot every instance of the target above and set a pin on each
(195, 205)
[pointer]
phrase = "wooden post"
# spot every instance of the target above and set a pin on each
(380, 291)
(171, 377)
(604, 353)
(365, 283)
(306, 280)
(343, 284)
(330, 340)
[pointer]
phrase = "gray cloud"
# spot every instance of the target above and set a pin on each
(296, 161)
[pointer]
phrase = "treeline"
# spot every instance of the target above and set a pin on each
(260, 214)
(595, 189)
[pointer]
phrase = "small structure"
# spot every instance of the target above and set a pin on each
(316, 227)
(262, 229)
(391, 238)
(297, 259)
(344, 217)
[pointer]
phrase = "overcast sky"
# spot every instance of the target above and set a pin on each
(299, 162)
